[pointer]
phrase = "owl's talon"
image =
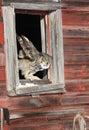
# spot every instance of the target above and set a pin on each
(32, 77)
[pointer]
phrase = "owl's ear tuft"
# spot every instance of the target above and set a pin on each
(25, 38)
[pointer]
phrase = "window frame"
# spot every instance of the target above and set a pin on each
(53, 27)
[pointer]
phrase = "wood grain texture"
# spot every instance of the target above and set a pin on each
(44, 6)
(75, 18)
(77, 85)
(2, 58)
(76, 3)
(48, 102)
(0, 10)
(76, 44)
(1, 32)
(64, 122)
(76, 54)
(77, 72)
(29, 0)
(84, 1)
(76, 59)
(76, 31)
(2, 74)
(46, 122)
(10, 47)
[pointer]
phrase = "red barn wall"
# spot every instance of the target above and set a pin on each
(76, 44)
(63, 107)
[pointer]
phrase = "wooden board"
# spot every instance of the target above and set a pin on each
(30, 1)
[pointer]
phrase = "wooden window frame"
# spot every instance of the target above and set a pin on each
(54, 39)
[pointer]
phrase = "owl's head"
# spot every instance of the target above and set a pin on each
(45, 61)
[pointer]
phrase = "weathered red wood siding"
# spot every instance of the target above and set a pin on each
(2, 53)
(63, 107)
(76, 44)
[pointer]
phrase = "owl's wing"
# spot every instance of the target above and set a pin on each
(27, 46)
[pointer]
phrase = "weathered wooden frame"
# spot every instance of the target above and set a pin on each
(53, 37)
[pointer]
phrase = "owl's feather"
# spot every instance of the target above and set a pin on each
(27, 47)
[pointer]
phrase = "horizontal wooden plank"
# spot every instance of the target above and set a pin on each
(75, 31)
(41, 103)
(40, 89)
(58, 125)
(50, 111)
(77, 85)
(75, 7)
(24, 102)
(3, 91)
(33, 12)
(1, 33)
(53, 124)
(64, 123)
(51, 121)
(49, 6)
(76, 51)
(76, 45)
(76, 72)
(2, 58)
(48, 126)
(76, 59)
(75, 1)
(75, 18)
(37, 122)
(75, 99)
(2, 74)
(78, 3)
(28, 1)
(78, 41)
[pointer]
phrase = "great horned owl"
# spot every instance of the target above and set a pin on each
(31, 60)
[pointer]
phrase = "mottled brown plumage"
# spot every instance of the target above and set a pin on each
(30, 59)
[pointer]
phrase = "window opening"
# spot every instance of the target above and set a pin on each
(29, 26)
(44, 30)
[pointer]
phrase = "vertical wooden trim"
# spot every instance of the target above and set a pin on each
(60, 50)
(43, 38)
(53, 47)
(53, 30)
(10, 47)
(57, 46)
(48, 43)
(42, 24)
(2, 119)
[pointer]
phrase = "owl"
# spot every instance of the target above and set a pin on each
(30, 60)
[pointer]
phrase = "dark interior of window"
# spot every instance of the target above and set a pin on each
(29, 26)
